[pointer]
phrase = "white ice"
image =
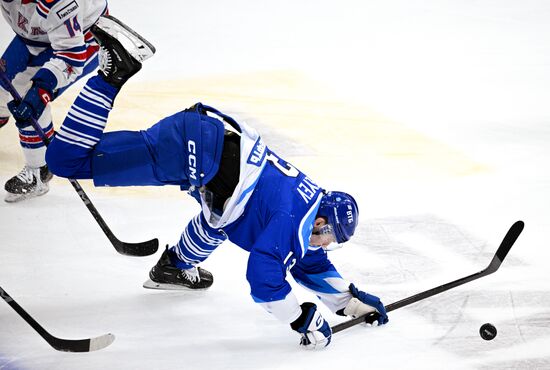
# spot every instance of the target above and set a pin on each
(433, 113)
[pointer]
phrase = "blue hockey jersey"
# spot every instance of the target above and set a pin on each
(271, 215)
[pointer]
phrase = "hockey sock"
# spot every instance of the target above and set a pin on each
(86, 120)
(192, 247)
(34, 148)
(69, 154)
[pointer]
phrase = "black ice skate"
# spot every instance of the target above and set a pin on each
(29, 183)
(121, 52)
(3, 121)
(164, 275)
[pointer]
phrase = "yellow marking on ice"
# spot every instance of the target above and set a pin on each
(339, 137)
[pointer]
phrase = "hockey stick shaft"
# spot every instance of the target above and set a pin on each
(66, 345)
(502, 251)
(129, 249)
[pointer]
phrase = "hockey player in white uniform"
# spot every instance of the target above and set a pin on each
(248, 195)
(51, 50)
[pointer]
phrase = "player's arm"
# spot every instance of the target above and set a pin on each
(64, 27)
(61, 20)
(316, 273)
(269, 260)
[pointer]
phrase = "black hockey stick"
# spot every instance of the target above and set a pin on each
(66, 345)
(129, 249)
(502, 251)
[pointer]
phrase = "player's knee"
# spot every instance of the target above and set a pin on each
(63, 162)
(55, 161)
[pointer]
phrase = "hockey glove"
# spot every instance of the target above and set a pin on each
(315, 331)
(366, 304)
(32, 105)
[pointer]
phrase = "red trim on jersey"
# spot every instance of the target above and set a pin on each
(88, 36)
(91, 51)
(43, 9)
(81, 56)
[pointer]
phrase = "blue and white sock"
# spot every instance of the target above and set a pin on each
(87, 118)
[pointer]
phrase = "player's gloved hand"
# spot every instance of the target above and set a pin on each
(366, 304)
(315, 331)
(32, 105)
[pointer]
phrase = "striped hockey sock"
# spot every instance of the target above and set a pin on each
(196, 244)
(86, 120)
(30, 139)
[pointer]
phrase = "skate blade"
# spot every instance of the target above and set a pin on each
(137, 46)
(14, 198)
(150, 284)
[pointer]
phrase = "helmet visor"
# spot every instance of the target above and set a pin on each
(325, 237)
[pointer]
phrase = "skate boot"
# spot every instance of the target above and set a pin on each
(3, 121)
(121, 50)
(164, 275)
(29, 183)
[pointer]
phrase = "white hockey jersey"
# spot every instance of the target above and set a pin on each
(62, 25)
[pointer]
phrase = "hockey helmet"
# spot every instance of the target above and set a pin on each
(341, 212)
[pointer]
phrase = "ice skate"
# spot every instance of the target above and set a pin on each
(166, 276)
(29, 183)
(121, 52)
(3, 121)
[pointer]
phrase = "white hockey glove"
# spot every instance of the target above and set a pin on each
(363, 303)
(316, 332)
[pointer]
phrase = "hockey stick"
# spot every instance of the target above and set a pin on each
(502, 251)
(66, 345)
(129, 249)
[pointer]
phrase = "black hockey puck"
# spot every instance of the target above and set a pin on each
(488, 331)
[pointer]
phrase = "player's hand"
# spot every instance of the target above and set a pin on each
(315, 331)
(366, 304)
(32, 105)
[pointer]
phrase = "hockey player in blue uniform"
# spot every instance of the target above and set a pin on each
(51, 50)
(247, 193)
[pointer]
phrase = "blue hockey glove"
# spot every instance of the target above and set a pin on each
(315, 331)
(32, 105)
(363, 303)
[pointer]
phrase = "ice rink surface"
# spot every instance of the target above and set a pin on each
(435, 114)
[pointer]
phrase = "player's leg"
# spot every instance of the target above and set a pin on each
(177, 267)
(20, 66)
(33, 179)
(71, 152)
(14, 60)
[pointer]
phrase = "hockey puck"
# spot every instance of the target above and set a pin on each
(488, 331)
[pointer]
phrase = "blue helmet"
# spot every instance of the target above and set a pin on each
(341, 212)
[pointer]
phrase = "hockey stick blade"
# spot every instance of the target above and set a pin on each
(65, 345)
(136, 249)
(81, 345)
(129, 249)
(507, 243)
(505, 246)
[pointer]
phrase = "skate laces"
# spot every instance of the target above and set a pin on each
(192, 274)
(28, 174)
(105, 60)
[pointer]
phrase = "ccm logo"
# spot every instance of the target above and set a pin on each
(192, 159)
